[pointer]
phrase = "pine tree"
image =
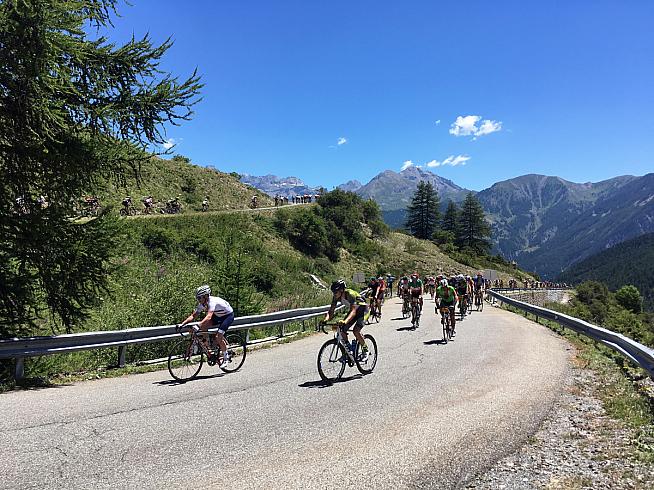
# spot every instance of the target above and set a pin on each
(450, 221)
(75, 111)
(473, 230)
(423, 213)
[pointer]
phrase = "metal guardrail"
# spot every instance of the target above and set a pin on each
(20, 348)
(636, 352)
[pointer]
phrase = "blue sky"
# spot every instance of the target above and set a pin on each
(553, 87)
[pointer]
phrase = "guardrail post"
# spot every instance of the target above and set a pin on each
(121, 355)
(19, 372)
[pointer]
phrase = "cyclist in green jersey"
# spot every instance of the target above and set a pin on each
(446, 296)
(357, 307)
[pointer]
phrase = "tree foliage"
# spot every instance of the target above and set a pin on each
(423, 213)
(629, 298)
(473, 230)
(74, 112)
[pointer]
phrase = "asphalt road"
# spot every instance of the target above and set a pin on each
(429, 416)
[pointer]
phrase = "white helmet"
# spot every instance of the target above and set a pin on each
(202, 291)
(443, 282)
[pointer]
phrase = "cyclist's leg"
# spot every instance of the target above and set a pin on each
(223, 324)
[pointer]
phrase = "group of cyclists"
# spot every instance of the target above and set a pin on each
(214, 311)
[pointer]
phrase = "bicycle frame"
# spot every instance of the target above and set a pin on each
(338, 335)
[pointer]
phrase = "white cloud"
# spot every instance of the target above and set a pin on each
(169, 143)
(438, 122)
(341, 141)
(451, 160)
(467, 126)
(488, 127)
(406, 165)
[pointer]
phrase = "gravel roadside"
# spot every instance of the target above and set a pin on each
(577, 447)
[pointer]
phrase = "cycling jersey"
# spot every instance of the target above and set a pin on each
(479, 282)
(350, 297)
(447, 294)
(417, 283)
(219, 306)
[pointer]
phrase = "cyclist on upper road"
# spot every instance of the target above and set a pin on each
(218, 313)
(355, 316)
(253, 202)
(446, 296)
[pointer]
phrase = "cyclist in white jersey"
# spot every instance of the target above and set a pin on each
(218, 313)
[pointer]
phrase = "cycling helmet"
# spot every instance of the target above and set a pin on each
(373, 278)
(444, 283)
(202, 291)
(336, 285)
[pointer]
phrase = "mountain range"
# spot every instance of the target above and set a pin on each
(279, 186)
(544, 223)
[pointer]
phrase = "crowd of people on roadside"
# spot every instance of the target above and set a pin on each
(528, 284)
(299, 199)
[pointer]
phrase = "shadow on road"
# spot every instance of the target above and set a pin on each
(398, 318)
(169, 382)
(326, 384)
(436, 342)
(402, 329)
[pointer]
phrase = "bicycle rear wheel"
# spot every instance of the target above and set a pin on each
(481, 302)
(331, 360)
(237, 349)
(366, 366)
(185, 360)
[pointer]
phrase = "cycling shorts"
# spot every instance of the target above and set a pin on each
(448, 304)
(380, 293)
(415, 292)
(358, 318)
(222, 322)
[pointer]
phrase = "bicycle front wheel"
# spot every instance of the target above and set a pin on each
(237, 349)
(445, 322)
(367, 364)
(331, 361)
(185, 360)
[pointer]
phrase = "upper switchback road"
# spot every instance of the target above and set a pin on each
(430, 416)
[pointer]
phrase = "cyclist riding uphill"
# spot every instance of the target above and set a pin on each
(446, 297)
(416, 287)
(218, 313)
(357, 308)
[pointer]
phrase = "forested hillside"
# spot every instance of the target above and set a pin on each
(630, 262)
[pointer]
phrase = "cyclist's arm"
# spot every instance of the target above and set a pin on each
(189, 319)
(330, 313)
(206, 321)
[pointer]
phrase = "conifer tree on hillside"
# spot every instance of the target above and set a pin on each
(450, 221)
(74, 111)
(473, 230)
(423, 213)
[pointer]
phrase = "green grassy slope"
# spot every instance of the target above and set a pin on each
(166, 179)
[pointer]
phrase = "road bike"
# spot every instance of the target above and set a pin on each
(416, 310)
(406, 305)
(335, 354)
(374, 311)
(446, 322)
(189, 354)
(463, 305)
(479, 300)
